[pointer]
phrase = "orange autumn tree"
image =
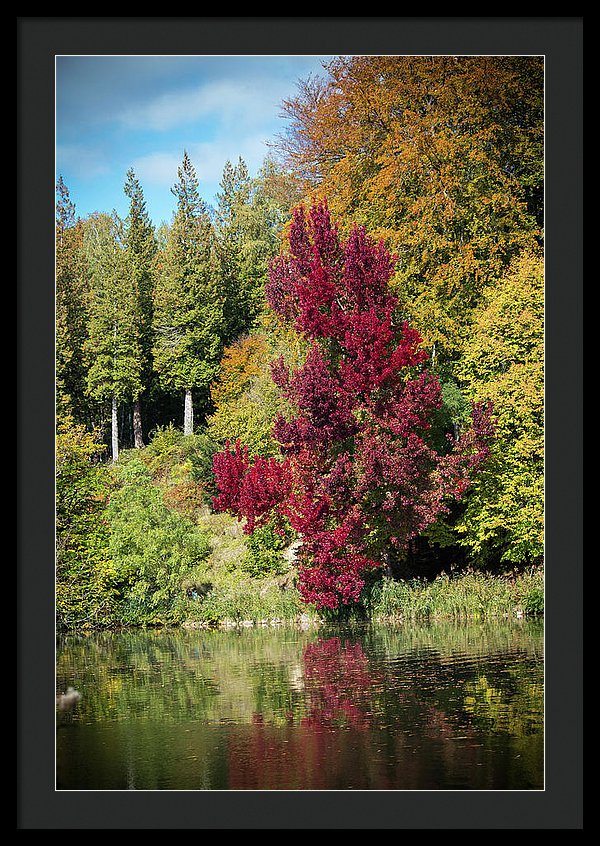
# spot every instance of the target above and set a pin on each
(245, 398)
(440, 156)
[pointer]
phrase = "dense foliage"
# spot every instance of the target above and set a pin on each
(84, 571)
(358, 478)
(442, 156)
(366, 397)
(504, 361)
(155, 550)
(245, 398)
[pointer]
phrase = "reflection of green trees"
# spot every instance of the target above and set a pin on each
(449, 639)
(214, 675)
(183, 674)
(400, 697)
(514, 708)
(128, 674)
(441, 664)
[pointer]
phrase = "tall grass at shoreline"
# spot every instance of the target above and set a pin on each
(240, 596)
(470, 595)
(467, 596)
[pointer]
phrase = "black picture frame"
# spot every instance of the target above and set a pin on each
(560, 40)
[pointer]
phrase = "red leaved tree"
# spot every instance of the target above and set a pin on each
(358, 476)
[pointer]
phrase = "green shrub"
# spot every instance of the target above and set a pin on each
(154, 550)
(169, 448)
(533, 604)
(84, 575)
(265, 552)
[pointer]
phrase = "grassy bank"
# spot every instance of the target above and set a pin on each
(236, 596)
(231, 590)
(470, 595)
(239, 600)
(139, 545)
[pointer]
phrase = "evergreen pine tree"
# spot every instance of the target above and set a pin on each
(113, 346)
(140, 244)
(247, 227)
(71, 309)
(188, 307)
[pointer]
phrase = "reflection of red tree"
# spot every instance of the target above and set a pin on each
(337, 682)
(337, 679)
(365, 728)
(268, 757)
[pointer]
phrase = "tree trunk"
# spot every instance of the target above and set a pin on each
(386, 563)
(188, 414)
(115, 430)
(138, 439)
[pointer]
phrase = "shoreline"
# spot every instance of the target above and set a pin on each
(469, 597)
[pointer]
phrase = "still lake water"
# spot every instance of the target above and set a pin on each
(380, 707)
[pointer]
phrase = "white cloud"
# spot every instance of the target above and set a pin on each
(247, 101)
(158, 168)
(208, 157)
(222, 100)
(81, 161)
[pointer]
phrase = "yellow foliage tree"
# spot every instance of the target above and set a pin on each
(245, 397)
(503, 361)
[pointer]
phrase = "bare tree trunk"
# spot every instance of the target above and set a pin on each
(115, 419)
(188, 414)
(386, 563)
(138, 439)
(115, 429)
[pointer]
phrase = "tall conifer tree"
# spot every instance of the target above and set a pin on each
(188, 306)
(113, 346)
(248, 226)
(233, 196)
(71, 309)
(140, 244)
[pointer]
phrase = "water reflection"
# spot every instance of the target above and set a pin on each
(387, 708)
(338, 684)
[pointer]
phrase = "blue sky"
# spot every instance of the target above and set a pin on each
(117, 112)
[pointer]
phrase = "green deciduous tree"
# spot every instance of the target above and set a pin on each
(504, 362)
(153, 549)
(188, 303)
(84, 572)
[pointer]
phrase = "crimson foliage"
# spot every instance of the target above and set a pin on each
(357, 475)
